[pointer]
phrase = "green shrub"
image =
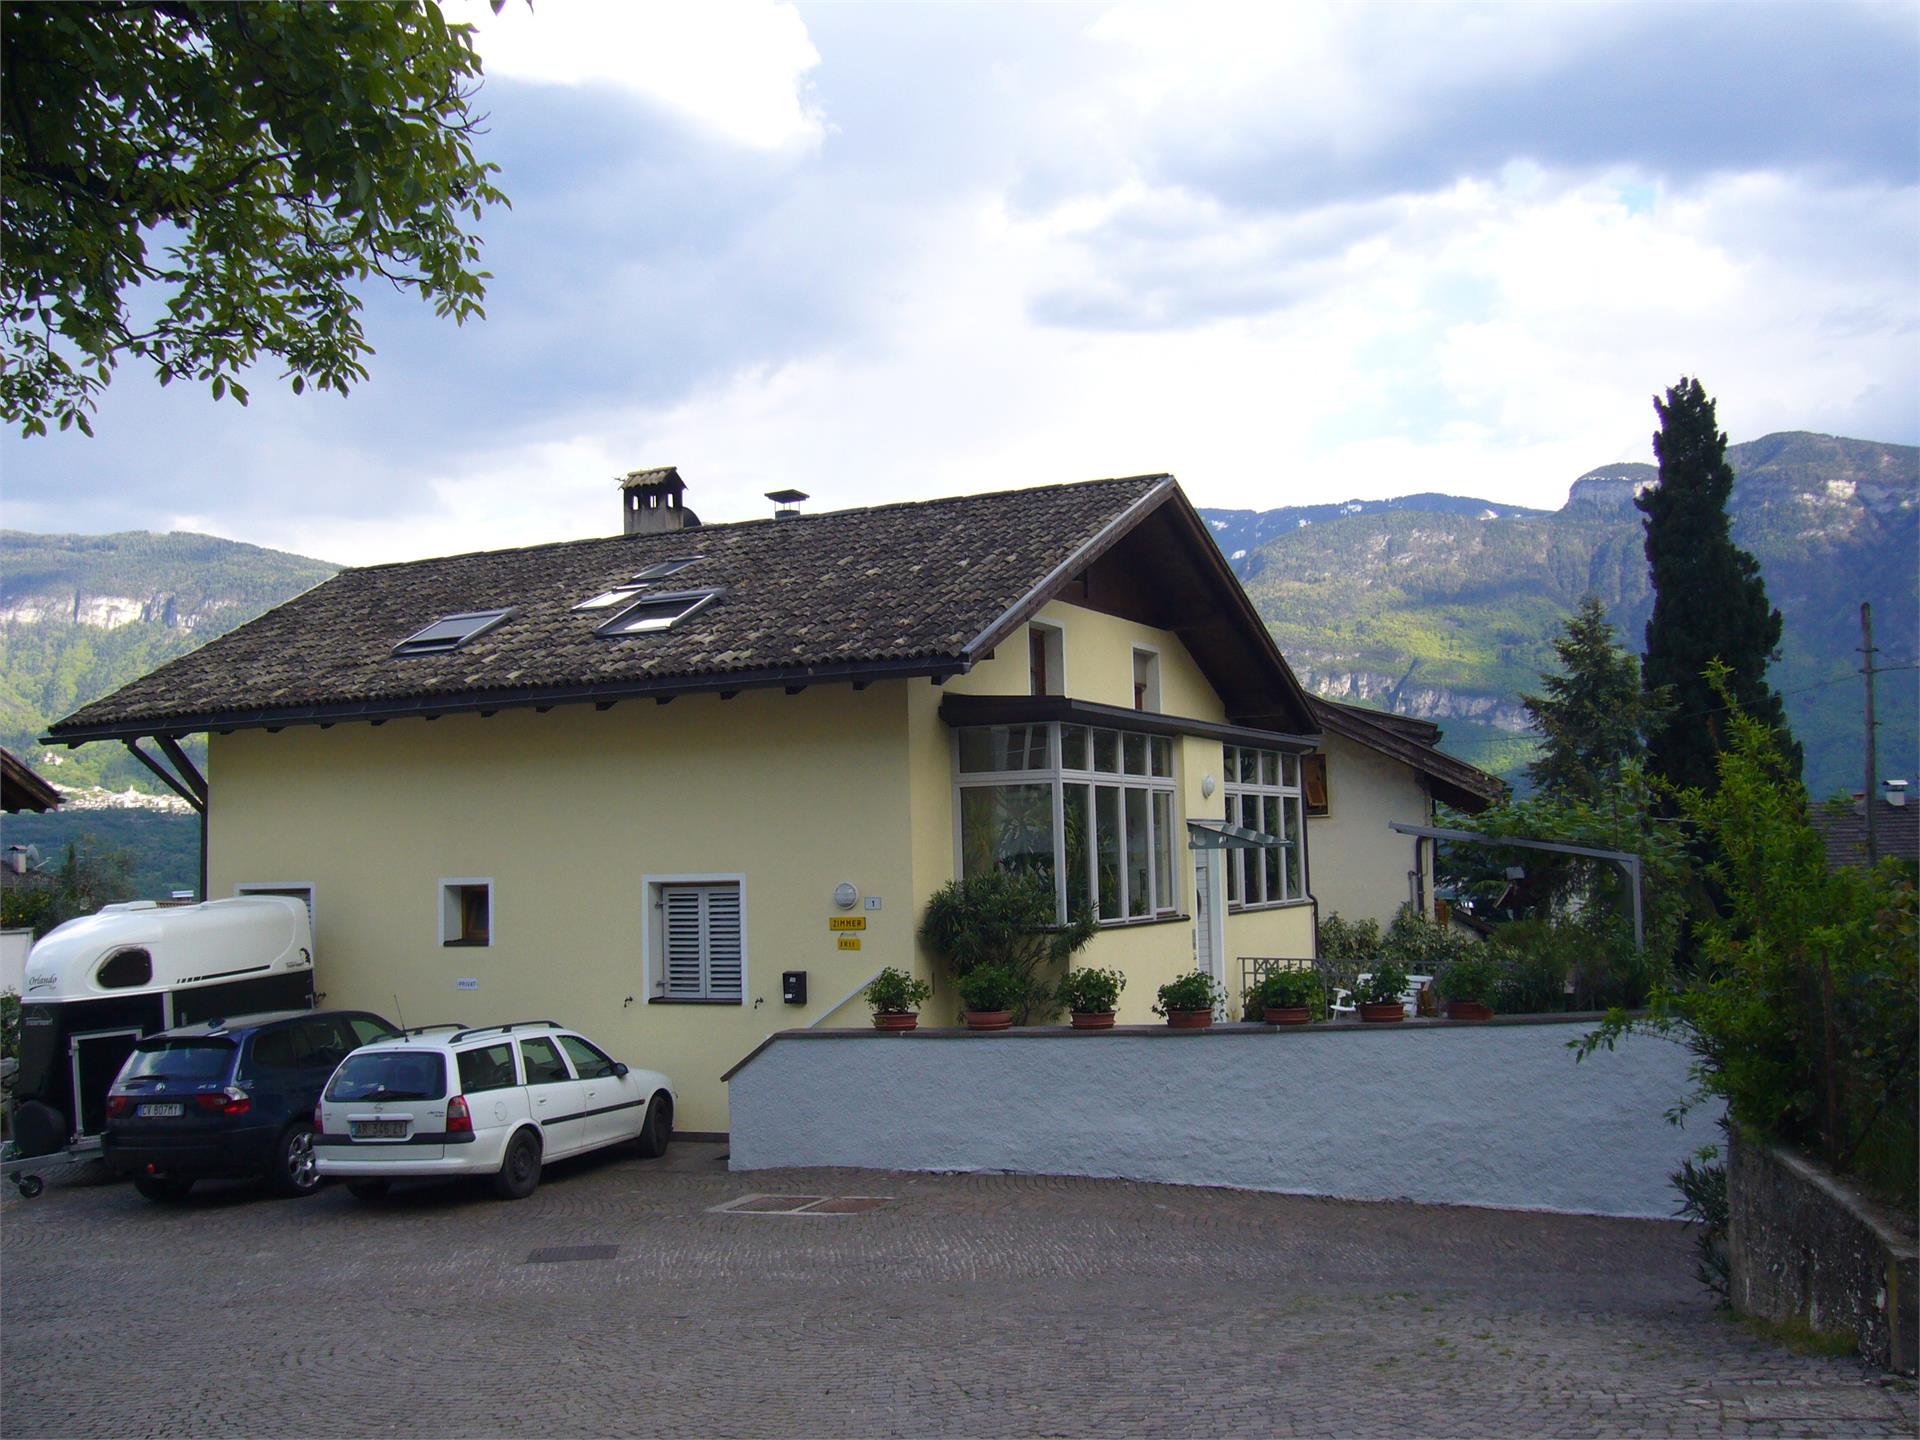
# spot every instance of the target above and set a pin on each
(1003, 918)
(1387, 983)
(1283, 990)
(9, 1025)
(1089, 992)
(1424, 947)
(1348, 939)
(1474, 977)
(1196, 990)
(1534, 957)
(895, 992)
(991, 987)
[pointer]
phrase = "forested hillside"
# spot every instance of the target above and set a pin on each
(1446, 611)
(83, 614)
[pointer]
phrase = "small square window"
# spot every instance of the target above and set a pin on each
(659, 612)
(466, 912)
(450, 632)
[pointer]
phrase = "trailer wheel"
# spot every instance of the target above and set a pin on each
(30, 1185)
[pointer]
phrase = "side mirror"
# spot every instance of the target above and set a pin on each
(619, 1070)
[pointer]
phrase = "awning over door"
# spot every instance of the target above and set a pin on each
(1219, 835)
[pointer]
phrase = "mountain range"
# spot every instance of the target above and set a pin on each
(1438, 606)
(1445, 607)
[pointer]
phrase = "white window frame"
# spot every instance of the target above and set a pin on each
(448, 911)
(1054, 637)
(653, 965)
(1152, 697)
(306, 888)
(1293, 829)
(1057, 777)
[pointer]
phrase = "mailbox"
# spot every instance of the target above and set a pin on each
(793, 987)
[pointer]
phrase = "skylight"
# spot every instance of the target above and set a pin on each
(616, 596)
(450, 632)
(665, 568)
(659, 612)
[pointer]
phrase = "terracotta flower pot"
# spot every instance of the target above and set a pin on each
(1189, 1019)
(1287, 1015)
(1093, 1019)
(896, 1020)
(1468, 1010)
(1385, 1012)
(989, 1019)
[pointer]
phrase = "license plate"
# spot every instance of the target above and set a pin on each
(379, 1129)
(158, 1110)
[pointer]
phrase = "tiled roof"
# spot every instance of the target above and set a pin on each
(1843, 826)
(1455, 782)
(21, 788)
(908, 588)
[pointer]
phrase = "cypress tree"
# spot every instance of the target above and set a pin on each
(1593, 715)
(1709, 602)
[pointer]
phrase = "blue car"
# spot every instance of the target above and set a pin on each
(229, 1100)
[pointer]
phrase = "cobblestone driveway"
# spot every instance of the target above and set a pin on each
(968, 1306)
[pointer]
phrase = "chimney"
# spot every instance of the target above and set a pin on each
(1896, 793)
(653, 501)
(787, 500)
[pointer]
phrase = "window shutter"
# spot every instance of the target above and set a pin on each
(724, 980)
(680, 911)
(703, 953)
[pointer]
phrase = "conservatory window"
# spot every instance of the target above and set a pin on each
(1262, 793)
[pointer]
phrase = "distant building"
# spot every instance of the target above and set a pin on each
(1896, 827)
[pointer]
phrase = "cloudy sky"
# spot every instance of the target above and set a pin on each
(1291, 253)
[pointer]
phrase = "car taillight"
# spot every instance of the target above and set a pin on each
(230, 1101)
(459, 1119)
(118, 1106)
(319, 1120)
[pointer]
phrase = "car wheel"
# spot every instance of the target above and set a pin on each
(368, 1190)
(294, 1171)
(519, 1167)
(658, 1129)
(160, 1190)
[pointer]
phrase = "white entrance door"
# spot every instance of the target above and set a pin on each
(1209, 913)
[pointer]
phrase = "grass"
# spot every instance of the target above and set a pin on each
(1802, 1338)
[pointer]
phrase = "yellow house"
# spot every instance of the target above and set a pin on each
(688, 785)
(1373, 769)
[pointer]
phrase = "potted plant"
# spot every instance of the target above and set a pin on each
(1284, 997)
(1188, 1001)
(1469, 984)
(896, 998)
(1005, 918)
(1091, 997)
(1379, 994)
(988, 994)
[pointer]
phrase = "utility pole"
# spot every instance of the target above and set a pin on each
(1867, 650)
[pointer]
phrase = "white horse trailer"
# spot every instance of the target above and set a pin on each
(95, 985)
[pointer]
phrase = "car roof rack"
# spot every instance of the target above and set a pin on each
(442, 1025)
(511, 1025)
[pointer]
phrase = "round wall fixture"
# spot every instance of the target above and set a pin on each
(844, 895)
(1206, 787)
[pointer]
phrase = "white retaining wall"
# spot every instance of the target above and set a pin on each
(1495, 1114)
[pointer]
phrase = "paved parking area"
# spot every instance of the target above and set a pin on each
(637, 1297)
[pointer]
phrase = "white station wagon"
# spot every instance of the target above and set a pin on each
(495, 1100)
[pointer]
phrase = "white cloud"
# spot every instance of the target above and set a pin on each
(735, 67)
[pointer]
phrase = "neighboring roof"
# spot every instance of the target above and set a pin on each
(1454, 782)
(1843, 826)
(926, 588)
(21, 789)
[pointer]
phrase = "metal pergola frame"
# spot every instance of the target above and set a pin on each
(1625, 859)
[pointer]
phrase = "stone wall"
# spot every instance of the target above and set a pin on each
(1804, 1247)
(1495, 1114)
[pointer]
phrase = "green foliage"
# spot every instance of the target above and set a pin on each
(1387, 982)
(1801, 1017)
(160, 851)
(1196, 990)
(85, 877)
(1424, 947)
(1283, 990)
(1089, 991)
(1473, 977)
(1348, 939)
(249, 168)
(991, 987)
(1534, 958)
(1003, 918)
(1702, 1183)
(1593, 715)
(1709, 601)
(9, 1025)
(895, 992)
